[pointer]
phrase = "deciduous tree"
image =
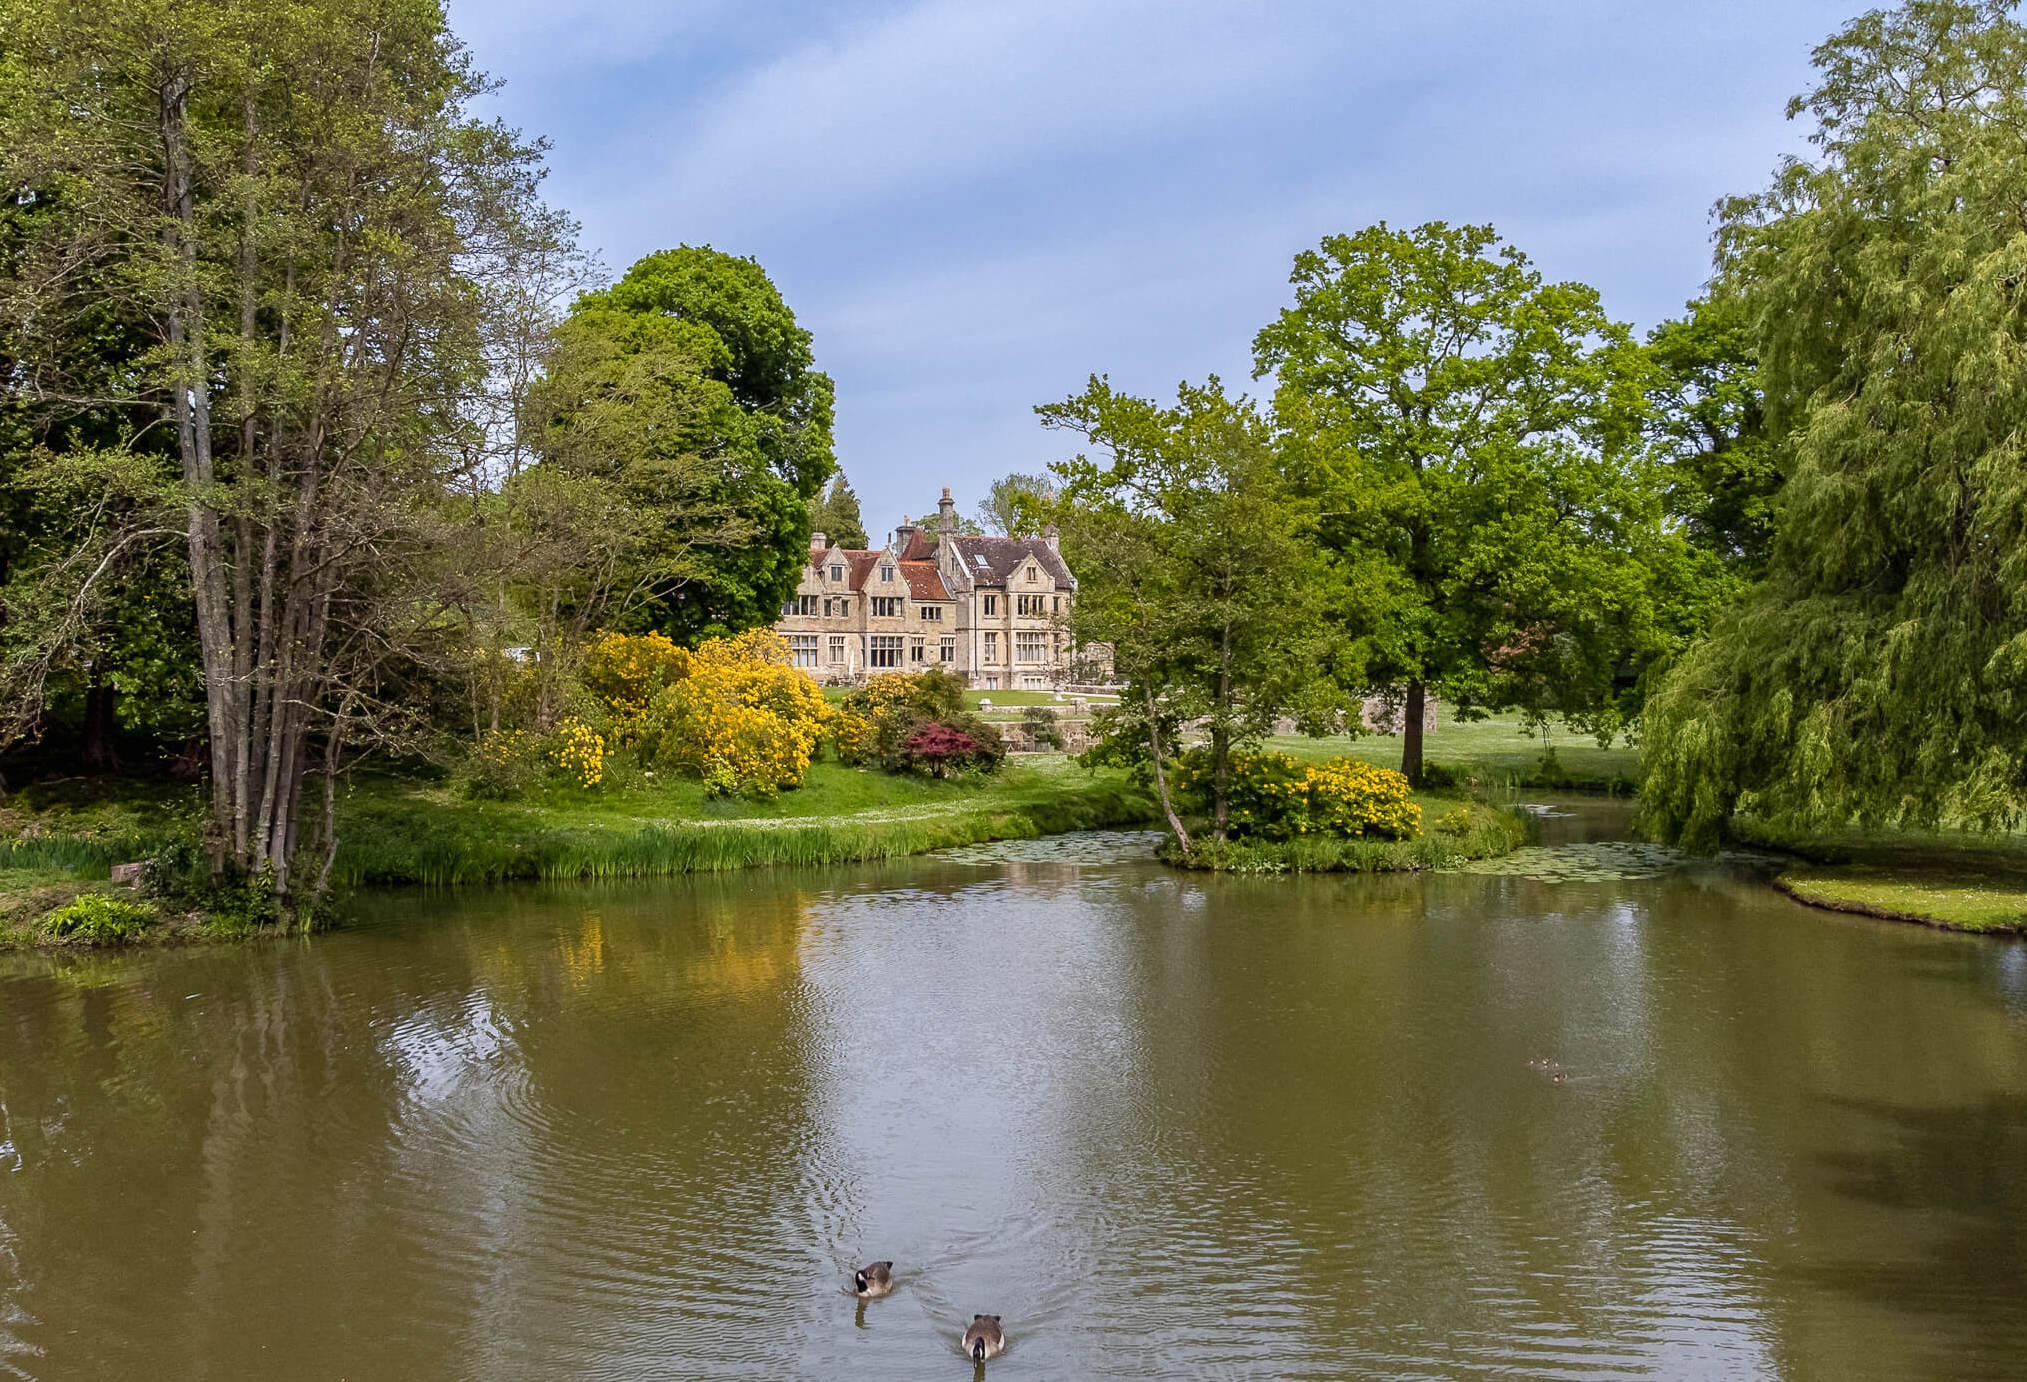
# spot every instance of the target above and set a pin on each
(1469, 436)
(1196, 568)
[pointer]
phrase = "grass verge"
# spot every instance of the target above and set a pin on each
(1934, 897)
(1961, 882)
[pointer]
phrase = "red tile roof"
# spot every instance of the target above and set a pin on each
(925, 582)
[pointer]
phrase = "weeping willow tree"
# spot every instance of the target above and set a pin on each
(1878, 674)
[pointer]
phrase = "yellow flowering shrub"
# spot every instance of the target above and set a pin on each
(626, 672)
(1274, 796)
(579, 750)
(742, 719)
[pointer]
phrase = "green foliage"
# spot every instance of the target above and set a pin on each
(1708, 423)
(1043, 726)
(1019, 504)
(502, 765)
(1194, 567)
(883, 722)
(97, 919)
(1470, 438)
(1875, 673)
(733, 481)
(1273, 796)
(836, 515)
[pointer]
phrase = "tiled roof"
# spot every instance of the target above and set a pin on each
(860, 565)
(921, 546)
(1003, 556)
(925, 582)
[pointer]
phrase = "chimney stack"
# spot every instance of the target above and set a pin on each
(817, 546)
(946, 512)
(1049, 536)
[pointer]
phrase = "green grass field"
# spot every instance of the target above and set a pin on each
(1497, 752)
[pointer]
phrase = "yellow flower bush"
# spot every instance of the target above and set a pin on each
(742, 719)
(1274, 796)
(579, 750)
(626, 672)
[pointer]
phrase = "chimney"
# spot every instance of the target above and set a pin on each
(904, 536)
(817, 546)
(1049, 536)
(946, 513)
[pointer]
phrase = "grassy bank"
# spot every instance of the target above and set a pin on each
(60, 841)
(1957, 881)
(414, 833)
(1471, 830)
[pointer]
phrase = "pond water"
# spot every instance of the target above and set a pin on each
(1165, 1125)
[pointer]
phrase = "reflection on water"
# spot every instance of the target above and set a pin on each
(1164, 1124)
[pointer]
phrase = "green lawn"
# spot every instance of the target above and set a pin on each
(1498, 751)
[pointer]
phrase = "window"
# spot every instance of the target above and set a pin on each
(1031, 606)
(1031, 647)
(915, 653)
(932, 613)
(949, 650)
(883, 651)
(992, 683)
(844, 608)
(886, 606)
(801, 605)
(826, 609)
(991, 605)
(992, 647)
(886, 573)
(837, 650)
(837, 573)
(978, 560)
(802, 647)
(1058, 605)
(1034, 575)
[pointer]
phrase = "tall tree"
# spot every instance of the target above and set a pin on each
(1194, 566)
(1708, 424)
(291, 200)
(1018, 504)
(1470, 437)
(771, 461)
(1875, 672)
(627, 507)
(836, 515)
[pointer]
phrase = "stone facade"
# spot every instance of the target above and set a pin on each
(992, 610)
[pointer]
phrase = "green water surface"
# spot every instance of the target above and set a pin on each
(1166, 1125)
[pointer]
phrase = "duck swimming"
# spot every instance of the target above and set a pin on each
(873, 1279)
(984, 1338)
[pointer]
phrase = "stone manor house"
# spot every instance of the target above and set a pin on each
(993, 610)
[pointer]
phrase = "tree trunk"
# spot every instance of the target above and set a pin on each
(191, 409)
(1221, 780)
(1411, 734)
(100, 727)
(1161, 778)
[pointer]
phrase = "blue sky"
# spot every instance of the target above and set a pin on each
(974, 205)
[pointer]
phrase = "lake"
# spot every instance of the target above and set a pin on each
(1605, 1114)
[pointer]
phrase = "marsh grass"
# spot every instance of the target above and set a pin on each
(408, 833)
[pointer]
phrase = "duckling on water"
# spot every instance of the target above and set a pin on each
(984, 1338)
(873, 1279)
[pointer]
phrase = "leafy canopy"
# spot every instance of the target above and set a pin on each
(1469, 436)
(1875, 673)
